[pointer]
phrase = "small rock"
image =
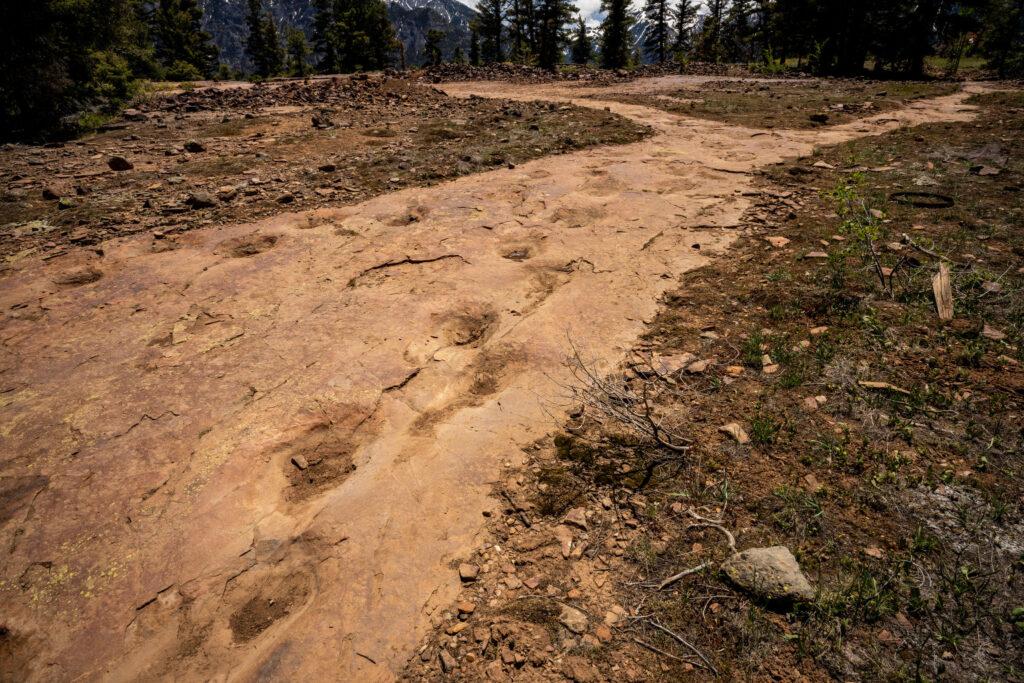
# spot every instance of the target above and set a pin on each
(989, 332)
(447, 662)
(227, 193)
(194, 146)
(876, 214)
(697, 367)
(573, 619)
(576, 517)
(990, 287)
(812, 483)
(603, 633)
(818, 331)
(466, 607)
(468, 572)
(736, 432)
(816, 255)
(200, 200)
(286, 198)
(777, 241)
(457, 628)
(300, 462)
(79, 276)
(578, 669)
(118, 163)
(321, 120)
(771, 573)
(564, 536)
(985, 170)
(672, 365)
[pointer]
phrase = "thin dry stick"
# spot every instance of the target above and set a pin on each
(683, 641)
(730, 539)
(927, 252)
(660, 652)
(704, 522)
(614, 398)
(681, 575)
(714, 524)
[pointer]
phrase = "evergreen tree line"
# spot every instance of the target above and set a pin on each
(828, 37)
(64, 62)
(67, 63)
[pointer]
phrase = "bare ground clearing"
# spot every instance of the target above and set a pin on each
(263, 453)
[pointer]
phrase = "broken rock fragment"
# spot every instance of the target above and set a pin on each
(446, 660)
(468, 572)
(200, 200)
(576, 517)
(573, 619)
(770, 573)
(119, 163)
(736, 432)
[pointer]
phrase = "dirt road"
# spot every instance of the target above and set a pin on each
(262, 454)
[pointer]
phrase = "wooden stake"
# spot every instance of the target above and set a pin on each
(943, 293)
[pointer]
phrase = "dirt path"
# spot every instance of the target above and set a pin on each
(400, 350)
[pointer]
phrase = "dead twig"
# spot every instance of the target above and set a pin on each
(682, 575)
(683, 641)
(515, 508)
(713, 524)
(617, 399)
(660, 652)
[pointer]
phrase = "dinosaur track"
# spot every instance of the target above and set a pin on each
(258, 454)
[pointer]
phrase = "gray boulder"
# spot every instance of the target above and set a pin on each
(770, 573)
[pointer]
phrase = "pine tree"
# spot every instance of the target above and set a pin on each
(1004, 39)
(272, 44)
(353, 35)
(256, 42)
(582, 48)
(490, 20)
(325, 41)
(552, 17)
(298, 52)
(615, 36)
(711, 48)
(521, 31)
(63, 65)
(458, 57)
(433, 47)
(738, 30)
(474, 45)
(181, 44)
(684, 15)
(657, 38)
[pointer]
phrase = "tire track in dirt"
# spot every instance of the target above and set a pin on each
(259, 456)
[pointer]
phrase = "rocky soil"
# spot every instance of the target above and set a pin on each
(801, 472)
(217, 154)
